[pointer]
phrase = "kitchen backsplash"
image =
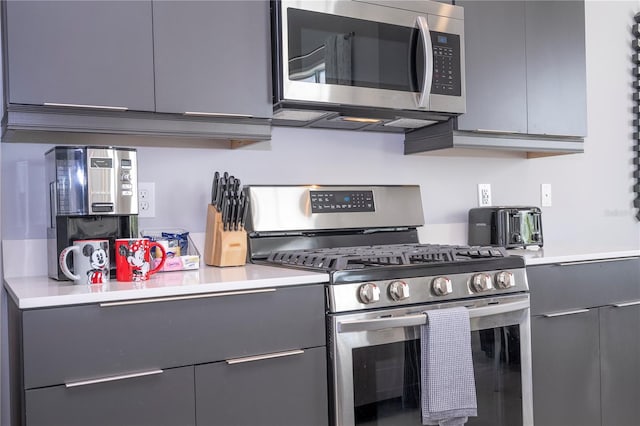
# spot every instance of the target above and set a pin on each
(592, 192)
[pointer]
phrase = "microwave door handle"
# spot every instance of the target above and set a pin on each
(423, 27)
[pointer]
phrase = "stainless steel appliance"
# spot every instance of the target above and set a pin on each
(382, 280)
(509, 227)
(93, 193)
(371, 65)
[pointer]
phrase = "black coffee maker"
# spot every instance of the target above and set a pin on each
(93, 194)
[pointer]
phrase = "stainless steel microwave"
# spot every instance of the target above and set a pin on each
(387, 60)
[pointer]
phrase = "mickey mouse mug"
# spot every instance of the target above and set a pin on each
(133, 259)
(90, 261)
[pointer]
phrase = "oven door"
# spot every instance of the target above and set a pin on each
(376, 363)
(351, 53)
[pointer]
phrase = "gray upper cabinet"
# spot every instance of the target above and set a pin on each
(212, 57)
(496, 66)
(67, 60)
(525, 81)
(556, 71)
(80, 52)
(526, 67)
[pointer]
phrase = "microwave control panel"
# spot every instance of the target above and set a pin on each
(446, 64)
(341, 201)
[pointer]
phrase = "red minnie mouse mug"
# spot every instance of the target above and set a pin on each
(133, 259)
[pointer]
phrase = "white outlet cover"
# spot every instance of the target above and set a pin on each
(146, 199)
(484, 194)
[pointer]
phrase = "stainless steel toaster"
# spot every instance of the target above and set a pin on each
(508, 227)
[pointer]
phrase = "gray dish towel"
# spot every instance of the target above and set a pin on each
(447, 382)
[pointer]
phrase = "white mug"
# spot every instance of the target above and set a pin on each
(90, 262)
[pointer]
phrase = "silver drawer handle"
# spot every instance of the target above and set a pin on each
(112, 378)
(217, 114)
(625, 304)
(584, 262)
(111, 108)
(561, 314)
(510, 132)
(189, 297)
(263, 357)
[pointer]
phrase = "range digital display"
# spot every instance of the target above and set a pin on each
(341, 201)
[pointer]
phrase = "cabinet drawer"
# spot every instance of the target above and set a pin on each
(161, 399)
(285, 390)
(560, 287)
(566, 370)
(62, 345)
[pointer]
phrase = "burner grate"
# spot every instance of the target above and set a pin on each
(358, 257)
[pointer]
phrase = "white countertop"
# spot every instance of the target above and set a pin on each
(40, 291)
(556, 254)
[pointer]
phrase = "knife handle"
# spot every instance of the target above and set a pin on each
(245, 209)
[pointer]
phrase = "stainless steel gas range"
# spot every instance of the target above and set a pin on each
(382, 284)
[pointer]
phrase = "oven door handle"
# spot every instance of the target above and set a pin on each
(351, 326)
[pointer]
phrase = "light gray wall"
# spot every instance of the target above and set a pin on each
(592, 192)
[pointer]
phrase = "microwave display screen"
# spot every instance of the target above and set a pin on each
(332, 49)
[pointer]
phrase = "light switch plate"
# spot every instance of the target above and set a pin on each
(545, 194)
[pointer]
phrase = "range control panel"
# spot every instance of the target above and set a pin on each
(341, 201)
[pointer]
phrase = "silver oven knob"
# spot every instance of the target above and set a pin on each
(441, 286)
(505, 279)
(481, 282)
(369, 293)
(399, 290)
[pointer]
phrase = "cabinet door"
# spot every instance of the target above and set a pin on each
(71, 343)
(556, 67)
(213, 57)
(495, 66)
(287, 390)
(80, 52)
(161, 399)
(566, 370)
(620, 359)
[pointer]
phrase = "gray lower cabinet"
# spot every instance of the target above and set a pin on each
(89, 52)
(276, 390)
(566, 370)
(212, 57)
(162, 399)
(620, 364)
(586, 343)
(161, 361)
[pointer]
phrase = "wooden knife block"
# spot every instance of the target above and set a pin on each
(223, 248)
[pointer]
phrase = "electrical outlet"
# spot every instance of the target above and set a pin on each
(484, 194)
(545, 194)
(146, 199)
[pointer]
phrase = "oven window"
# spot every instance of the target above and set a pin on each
(325, 48)
(386, 380)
